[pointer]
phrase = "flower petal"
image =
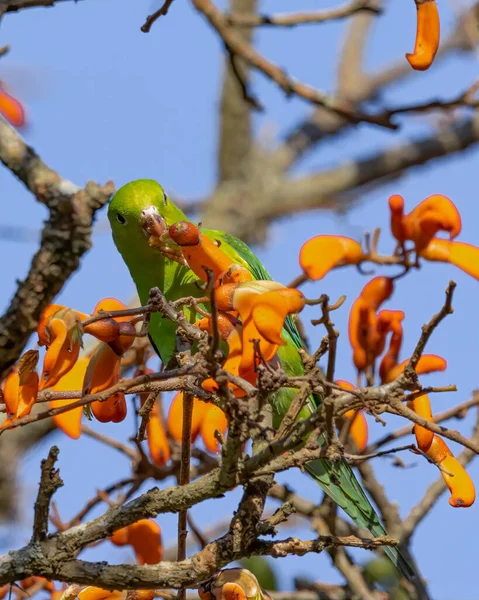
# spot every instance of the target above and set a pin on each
(70, 422)
(462, 255)
(175, 418)
(428, 363)
(322, 253)
(214, 419)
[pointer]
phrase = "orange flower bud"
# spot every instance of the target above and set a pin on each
(112, 410)
(322, 253)
(106, 330)
(427, 35)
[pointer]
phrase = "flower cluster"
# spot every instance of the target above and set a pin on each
(249, 322)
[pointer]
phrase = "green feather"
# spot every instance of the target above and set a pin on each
(149, 268)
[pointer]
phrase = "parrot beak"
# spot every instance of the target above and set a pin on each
(153, 225)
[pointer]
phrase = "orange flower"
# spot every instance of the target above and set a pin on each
(366, 338)
(427, 35)
(70, 422)
(62, 334)
(175, 417)
(11, 109)
(435, 213)
(21, 386)
(322, 253)
(199, 250)
(428, 363)
(463, 493)
(213, 419)
(103, 371)
(145, 538)
(263, 307)
(359, 426)
(462, 255)
(422, 407)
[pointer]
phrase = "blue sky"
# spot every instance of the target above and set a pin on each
(106, 101)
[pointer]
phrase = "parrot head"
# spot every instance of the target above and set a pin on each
(140, 213)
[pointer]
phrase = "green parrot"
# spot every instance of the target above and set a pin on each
(150, 268)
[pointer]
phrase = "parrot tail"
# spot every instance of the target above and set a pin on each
(340, 484)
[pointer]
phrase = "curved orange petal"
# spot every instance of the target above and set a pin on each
(438, 450)
(214, 419)
(95, 593)
(111, 305)
(103, 370)
(427, 35)
(27, 394)
(377, 291)
(145, 538)
(11, 392)
(422, 407)
(345, 384)
(175, 417)
(70, 422)
(46, 317)
(199, 250)
(157, 438)
(64, 332)
(358, 429)
(428, 363)
(462, 255)
(461, 486)
(322, 253)
(271, 309)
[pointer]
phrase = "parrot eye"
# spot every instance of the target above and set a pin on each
(165, 200)
(120, 218)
